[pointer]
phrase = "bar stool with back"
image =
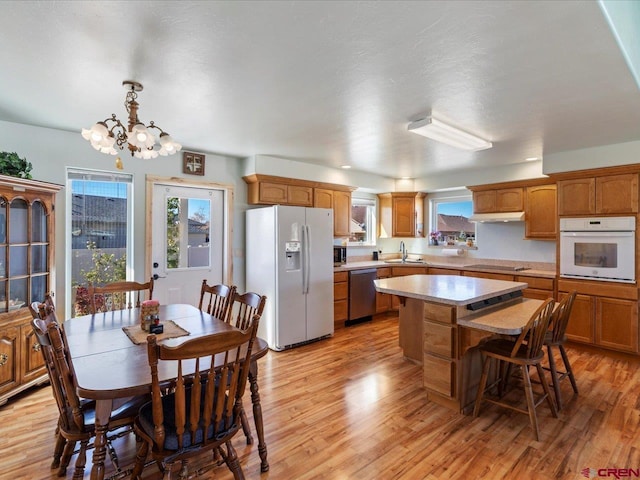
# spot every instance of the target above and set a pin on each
(556, 337)
(525, 352)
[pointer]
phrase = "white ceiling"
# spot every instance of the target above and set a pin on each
(327, 82)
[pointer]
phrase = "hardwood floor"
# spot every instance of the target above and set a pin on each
(351, 408)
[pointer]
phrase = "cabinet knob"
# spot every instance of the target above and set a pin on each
(36, 347)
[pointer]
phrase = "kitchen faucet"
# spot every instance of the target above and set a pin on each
(404, 251)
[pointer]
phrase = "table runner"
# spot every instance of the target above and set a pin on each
(139, 336)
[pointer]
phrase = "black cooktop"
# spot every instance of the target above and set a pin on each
(499, 267)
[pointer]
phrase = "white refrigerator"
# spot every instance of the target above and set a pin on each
(289, 258)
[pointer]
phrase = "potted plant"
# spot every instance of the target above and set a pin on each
(14, 166)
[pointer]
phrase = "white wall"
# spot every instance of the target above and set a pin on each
(51, 151)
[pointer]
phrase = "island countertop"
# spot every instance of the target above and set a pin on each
(446, 289)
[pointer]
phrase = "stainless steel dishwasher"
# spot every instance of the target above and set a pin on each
(362, 295)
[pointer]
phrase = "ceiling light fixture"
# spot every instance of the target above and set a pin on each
(441, 132)
(346, 167)
(110, 132)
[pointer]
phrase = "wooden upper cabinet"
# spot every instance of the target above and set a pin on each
(484, 201)
(283, 194)
(272, 193)
(341, 213)
(617, 194)
(322, 198)
(300, 195)
(499, 200)
(541, 212)
(577, 196)
(270, 190)
(607, 194)
(401, 214)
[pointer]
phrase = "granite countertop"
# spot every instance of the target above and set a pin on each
(446, 289)
(460, 264)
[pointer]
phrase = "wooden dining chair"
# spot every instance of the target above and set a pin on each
(119, 295)
(76, 416)
(244, 310)
(525, 352)
(198, 415)
(216, 299)
(556, 338)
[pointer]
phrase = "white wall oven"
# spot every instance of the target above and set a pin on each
(598, 248)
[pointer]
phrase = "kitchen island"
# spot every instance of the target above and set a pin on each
(442, 320)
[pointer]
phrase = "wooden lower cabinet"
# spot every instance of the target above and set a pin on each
(439, 348)
(21, 362)
(383, 300)
(539, 288)
(340, 298)
(443, 271)
(603, 321)
(616, 324)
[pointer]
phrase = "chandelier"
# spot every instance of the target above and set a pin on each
(109, 133)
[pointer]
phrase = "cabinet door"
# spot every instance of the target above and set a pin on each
(484, 202)
(580, 327)
(509, 200)
(341, 214)
(617, 194)
(577, 196)
(300, 196)
(322, 198)
(490, 276)
(541, 212)
(443, 271)
(404, 216)
(617, 324)
(9, 359)
(274, 193)
(32, 356)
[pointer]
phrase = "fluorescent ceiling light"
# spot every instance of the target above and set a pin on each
(346, 167)
(441, 132)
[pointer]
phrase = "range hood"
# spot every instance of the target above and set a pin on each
(497, 217)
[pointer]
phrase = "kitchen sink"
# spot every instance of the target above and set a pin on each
(408, 260)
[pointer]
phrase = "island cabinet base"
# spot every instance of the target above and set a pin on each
(452, 364)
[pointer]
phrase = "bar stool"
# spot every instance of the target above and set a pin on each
(525, 352)
(556, 337)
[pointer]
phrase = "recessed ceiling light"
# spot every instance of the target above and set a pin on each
(531, 159)
(405, 178)
(346, 167)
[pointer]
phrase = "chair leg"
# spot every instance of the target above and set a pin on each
(481, 387)
(567, 367)
(554, 377)
(531, 405)
(545, 386)
(141, 457)
(231, 459)
(245, 424)
(57, 451)
(66, 458)
(81, 461)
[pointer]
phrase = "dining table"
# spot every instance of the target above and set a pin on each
(110, 367)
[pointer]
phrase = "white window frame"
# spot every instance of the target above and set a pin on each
(73, 173)
(438, 200)
(370, 221)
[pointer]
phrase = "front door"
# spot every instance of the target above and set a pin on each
(187, 241)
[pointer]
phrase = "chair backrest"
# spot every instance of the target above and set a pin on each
(53, 345)
(560, 317)
(42, 309)
(532, 336)
(244, 307)
(216, 299)
(119, 295)
(199, 403)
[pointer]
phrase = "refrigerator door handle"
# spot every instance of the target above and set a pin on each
(306, 260)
